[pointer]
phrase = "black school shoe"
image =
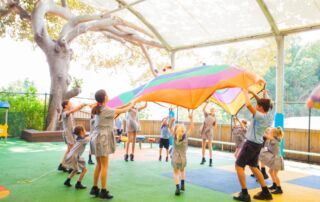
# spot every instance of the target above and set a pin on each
(167, 159)
(90, 162)
(67, 183)
(210, 163)
(131, 157)
(273, 187)
(160, 157)
(80, 186)
(61, 168)
(242, 197)
(126, 157)
(263, 196)
(105, 194)
(278, 190)
(95, 191)
(177, 192)
(203, 161)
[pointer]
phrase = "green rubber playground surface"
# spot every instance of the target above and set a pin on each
(28, 172)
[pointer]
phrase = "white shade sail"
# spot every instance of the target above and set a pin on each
(183, 24)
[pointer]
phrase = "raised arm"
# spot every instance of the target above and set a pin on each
(204, 107)
(256, 96)
(266, 94)
(170, 125)
(75, 109)
(143, 107)
(247, 102)
(119, 111)
(191, 124)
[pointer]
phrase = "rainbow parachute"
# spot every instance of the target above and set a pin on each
(220, 84)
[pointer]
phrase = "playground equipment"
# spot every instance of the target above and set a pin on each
(4, 127)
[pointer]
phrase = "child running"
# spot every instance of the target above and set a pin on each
(239, 131)
(179, 157)
(270, 156)
(262, 119)
(164, 138)
(68, 126)
(104, 141)
(74, 161)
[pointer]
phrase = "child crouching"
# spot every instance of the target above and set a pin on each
(74, 161)
(179, 157)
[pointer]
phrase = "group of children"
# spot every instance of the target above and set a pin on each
(249, 143)
(258, 142)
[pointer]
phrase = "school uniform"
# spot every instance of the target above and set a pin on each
(74, 160)
(105, 142)
(239, 134)
(179, 153)
(93, 136)
(270, 155)
(132, 121)
(68, 126)
(206, 130)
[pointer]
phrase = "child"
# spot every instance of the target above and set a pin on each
(133, 127)
(179, 157)
(270, 156)
(74, 161)
(207, 132)
(164, 138)
(239, 131)
(104, 141)
(249, 154)
(68, 125)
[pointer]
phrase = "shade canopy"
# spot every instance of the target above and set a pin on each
(183, 24)
(4, 105)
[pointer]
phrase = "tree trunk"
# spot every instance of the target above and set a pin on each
(59, 61)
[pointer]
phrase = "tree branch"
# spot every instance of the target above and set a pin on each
(14, 6)
(64, 3)
(72, 93)
(146, 54)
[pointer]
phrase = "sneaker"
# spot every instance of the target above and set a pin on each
(80, 186)
(277, 191)
(90, 162)
(105, 194)
(177, 192)
(126, 156)
(95, 191)
(167, 159)
(242, 197)
(67, 183)
(131, 157)
(263, 196)
(203, 161)
(160, 158)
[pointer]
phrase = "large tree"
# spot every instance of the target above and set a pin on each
(45, 14)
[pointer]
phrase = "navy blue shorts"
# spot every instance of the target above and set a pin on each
(164, 143)
(249, 154)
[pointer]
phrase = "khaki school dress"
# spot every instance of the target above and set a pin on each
(239, 135)
(270, 155)
(74, 160)
(68, 125)
(206, 130)
(132, 121)
(179, 153)
(105, 142)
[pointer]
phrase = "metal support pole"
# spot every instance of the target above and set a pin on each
(173, 59)
(279, 118)
(309, 135)
(231, 132)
